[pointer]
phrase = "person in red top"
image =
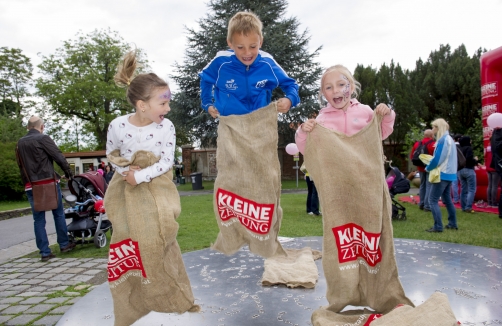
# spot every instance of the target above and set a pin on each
(425, 185)
(493, 180)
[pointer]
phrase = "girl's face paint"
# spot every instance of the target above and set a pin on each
(165, 95)
(336, 89)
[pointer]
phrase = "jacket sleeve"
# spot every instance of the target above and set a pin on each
(53, 151)
(208, 78)
(301, 139)
(286, 83)
(436, 159)
(388, 124)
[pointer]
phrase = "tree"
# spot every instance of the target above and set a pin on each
(15, 77)
(77, 81)
(448, 84)
(281, 39)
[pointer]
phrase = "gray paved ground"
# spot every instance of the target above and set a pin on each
(39, 293)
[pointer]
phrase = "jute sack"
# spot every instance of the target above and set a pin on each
(297, 269)
(248, 186)
(145, 269)
(434, 311)
(358, 248)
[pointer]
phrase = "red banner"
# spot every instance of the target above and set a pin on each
(353, 241)
(124, 256)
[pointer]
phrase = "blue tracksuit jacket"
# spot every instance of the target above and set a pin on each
(234, 88)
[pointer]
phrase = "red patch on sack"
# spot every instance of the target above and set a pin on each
(254, 216)
(353, 242)
(123, 257)
(371, 318)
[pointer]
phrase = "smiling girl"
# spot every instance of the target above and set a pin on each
(145, 269)
(146, 129)
(343, 113)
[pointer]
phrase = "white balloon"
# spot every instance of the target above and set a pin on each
(494, 120)
(292, 149)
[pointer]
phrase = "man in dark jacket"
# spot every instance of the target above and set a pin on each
(496, 145)
(37, 152)
(467, 175)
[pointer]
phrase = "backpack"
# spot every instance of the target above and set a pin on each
(421, 149)
(460, 159)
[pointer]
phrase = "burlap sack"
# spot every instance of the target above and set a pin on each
(297, 269)
(247, 189)
(358, 248)
(434, 311)
(145, 269)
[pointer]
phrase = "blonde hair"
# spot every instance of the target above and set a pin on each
(139, 87)
(442, 126)
(244, 23)
(344, 71)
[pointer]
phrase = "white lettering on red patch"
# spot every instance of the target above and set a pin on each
(353, 242)
(123, 257)
(256, 217)
(489, 89)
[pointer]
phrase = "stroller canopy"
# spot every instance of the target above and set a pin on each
(400, 185)
(93, 181)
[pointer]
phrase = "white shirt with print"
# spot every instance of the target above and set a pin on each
(159, 139)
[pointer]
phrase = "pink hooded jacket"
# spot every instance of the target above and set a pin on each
(348, 122)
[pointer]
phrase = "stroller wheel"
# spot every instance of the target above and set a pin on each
(100, 239)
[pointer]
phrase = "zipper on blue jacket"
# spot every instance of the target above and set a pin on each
(247, 88)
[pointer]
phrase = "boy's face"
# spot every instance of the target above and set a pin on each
(337, 89)
(246, 47)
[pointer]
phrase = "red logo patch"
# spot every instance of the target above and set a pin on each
(254, 216)
(353, 242)
(124, 256)
(371, 318)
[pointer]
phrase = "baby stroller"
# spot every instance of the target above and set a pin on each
(89, 223)
(398, 184)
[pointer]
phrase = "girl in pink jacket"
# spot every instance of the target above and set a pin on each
(343, 112)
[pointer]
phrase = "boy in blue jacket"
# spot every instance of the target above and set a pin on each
(241, 80)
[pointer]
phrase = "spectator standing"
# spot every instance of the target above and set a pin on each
(425, 185)
(493, 180)
(454, 184)
(312, 197)
(109, 173)
(445, 157)
(496, 147)
(36, 153)
(467, 175)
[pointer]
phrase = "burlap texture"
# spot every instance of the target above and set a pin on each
(145, 214)
(434, 311)
(358, 248)
(248, 175)
(297, 269)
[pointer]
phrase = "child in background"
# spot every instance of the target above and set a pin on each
(241, 80)
(343, 112)
(145, 269)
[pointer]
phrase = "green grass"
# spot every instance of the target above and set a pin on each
(198, 228)
(10, 205)
(209, 185)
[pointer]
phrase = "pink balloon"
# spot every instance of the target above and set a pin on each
(292, 149)
(494, 120)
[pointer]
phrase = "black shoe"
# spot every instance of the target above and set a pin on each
(433, 230)
(421, 207)
(46, 258)
(426, 210)
(451, 227)
(68, 247)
